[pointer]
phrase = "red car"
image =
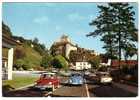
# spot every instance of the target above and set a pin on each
(47, 80)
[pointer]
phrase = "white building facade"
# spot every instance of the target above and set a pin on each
(7, 56)
(81, 65)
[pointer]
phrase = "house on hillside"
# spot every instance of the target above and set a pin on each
(8, 45)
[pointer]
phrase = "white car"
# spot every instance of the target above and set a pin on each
(105, 78)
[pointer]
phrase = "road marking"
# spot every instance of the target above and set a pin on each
(24, 86)
(51, 92)
(87, 89)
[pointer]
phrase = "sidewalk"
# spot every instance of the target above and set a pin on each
(132, 89)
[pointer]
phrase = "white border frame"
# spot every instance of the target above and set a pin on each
(83, 98)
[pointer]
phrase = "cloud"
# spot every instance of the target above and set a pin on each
(41, 20)
(75, 17)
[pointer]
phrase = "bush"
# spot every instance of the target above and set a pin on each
(60, 62)
(19, 64)
(23, 64)
(46, 61)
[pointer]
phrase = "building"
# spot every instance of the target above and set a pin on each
(63, 47)
(81, 65)
(108, 63)
(7, 56)
(129, 63)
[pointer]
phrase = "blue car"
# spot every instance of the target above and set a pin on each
(76, 79)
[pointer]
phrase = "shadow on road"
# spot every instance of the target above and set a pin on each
(30, 92)
(110, 91)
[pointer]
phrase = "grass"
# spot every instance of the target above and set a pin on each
(33, 56)
(19, 81)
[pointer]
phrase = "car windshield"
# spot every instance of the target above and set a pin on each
(47, 76)
(75, 75)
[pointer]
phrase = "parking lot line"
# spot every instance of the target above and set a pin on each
(87, 89)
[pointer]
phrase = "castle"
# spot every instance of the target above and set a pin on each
(63, 46)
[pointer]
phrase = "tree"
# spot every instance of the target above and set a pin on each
(35, 41)
(46, 61)
(103, 25)
(95, 61)
(115, 25)
(60, 62)
(124, 26)
(130, 51)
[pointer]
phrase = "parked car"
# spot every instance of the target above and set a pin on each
(100, 77)
(103, 78)
(65, 73)
(87, 73)
(76, 79)
(47, 80)
(54, 70)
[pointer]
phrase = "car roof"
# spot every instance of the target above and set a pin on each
(76, 74)
(49, 73)
(103, 72)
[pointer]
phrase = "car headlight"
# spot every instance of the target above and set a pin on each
(80, 81)
(70, 81)
(50, 83)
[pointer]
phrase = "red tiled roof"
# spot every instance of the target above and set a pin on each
(115, 63)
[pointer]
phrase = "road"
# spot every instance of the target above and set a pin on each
(86, 90)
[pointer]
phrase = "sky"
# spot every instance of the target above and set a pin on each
(49, 21)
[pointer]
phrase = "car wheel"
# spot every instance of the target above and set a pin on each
(58, 86)
(110, 83)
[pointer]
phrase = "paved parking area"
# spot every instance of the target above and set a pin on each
(90, 89)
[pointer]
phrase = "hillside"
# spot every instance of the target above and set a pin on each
(26, 57)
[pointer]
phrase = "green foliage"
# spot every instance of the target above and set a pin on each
(35, 41)
(19, 81)
(19, 52)
(95, 61)
(27, 64)
(26, 57)
(116, 26)
(23, 64)
(46, 61)
(31, 58)
(19, 64)
(60, 62)
(40, 48)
